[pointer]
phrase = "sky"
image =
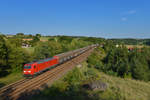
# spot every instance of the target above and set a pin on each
(97, 18)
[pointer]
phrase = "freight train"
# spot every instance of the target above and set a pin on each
(35, 68)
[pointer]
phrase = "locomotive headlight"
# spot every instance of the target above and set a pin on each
(24, 71)
(29, 71)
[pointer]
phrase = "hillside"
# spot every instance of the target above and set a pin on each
(128, 89)
(71, 87)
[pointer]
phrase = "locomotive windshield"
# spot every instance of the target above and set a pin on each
(27, 67)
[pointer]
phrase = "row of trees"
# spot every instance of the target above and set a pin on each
(128, 64)
(129, 41)
(55, 46)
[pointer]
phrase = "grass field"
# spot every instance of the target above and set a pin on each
(30, 49)
(44, 38)
(136, 46)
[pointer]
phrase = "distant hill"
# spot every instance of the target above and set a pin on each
(130, 41)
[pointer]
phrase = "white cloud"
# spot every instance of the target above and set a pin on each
(130, 12)
(123, 19)
(127, 14)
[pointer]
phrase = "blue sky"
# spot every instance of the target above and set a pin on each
(99, 18)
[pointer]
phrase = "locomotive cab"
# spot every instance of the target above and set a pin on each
(28, 70)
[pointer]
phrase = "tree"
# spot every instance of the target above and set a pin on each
(30, 35)
(3, 54)
(117, 61)
(139, 67)
(16, 41)
(38, 35)
(20, 33)
(35, 40)
(147, 42)
(15, 56)
(95, 59)
(47, 49)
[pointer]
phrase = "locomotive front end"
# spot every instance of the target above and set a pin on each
(27, 71)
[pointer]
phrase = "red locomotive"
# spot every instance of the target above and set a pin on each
(37, 67)
(34, 68)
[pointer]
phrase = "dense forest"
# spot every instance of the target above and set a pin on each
(119, 61)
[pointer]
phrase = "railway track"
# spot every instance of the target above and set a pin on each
(27, 87)
(6, 88)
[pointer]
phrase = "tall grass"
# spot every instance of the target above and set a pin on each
(126, 89)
